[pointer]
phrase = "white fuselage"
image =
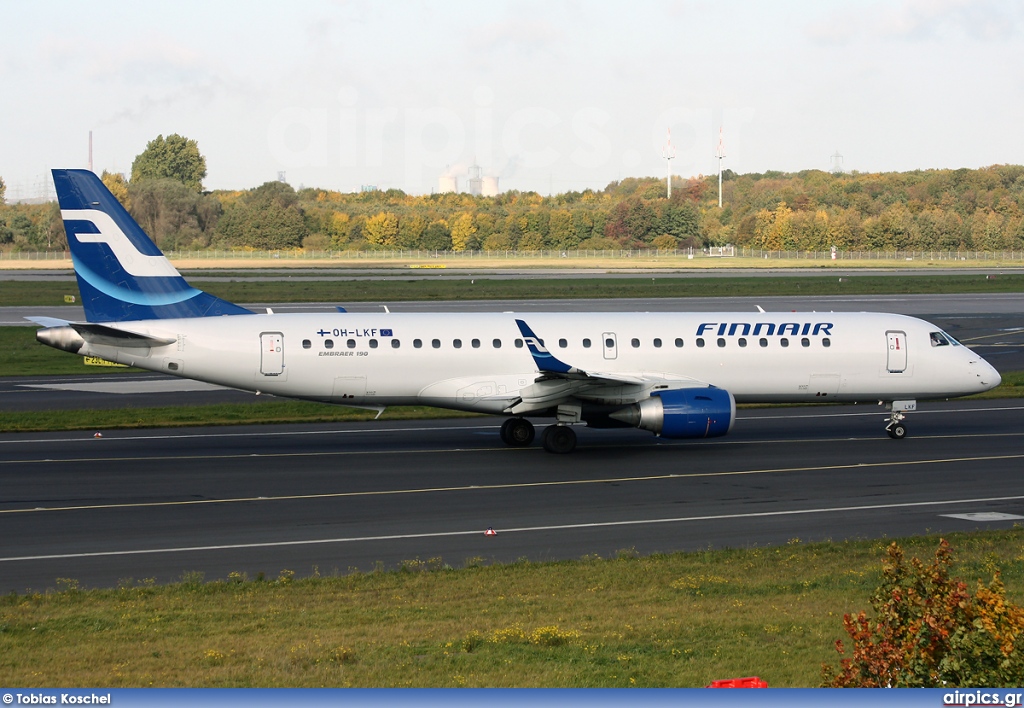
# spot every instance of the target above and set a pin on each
(478, 362)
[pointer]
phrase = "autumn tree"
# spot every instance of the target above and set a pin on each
(463, 233)
(3, 191)
(381, 229)
(268, 217)
(437, 237)
(173, 215)
(118, 186)
(929, 631)
(174, 157)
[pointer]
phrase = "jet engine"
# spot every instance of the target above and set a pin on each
(683, 413)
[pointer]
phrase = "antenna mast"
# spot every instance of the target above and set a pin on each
(720, 154)
(668, 152)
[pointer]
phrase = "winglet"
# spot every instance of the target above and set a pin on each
(545, 360)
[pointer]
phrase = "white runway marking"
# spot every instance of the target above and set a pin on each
(984, 516)
(522, 529)
(130, 387)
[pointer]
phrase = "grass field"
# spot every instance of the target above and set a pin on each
(397, 289)
(683, 619)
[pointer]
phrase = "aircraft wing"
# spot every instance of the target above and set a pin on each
(560, 382)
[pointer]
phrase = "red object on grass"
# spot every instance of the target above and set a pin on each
(749, 682)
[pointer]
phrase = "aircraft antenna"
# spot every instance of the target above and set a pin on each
(90, 151)
(720, 154)
(668, 152)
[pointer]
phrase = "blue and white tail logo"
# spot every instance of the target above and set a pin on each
(122, 275)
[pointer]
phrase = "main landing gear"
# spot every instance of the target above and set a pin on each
(557, 439)
(517, 432)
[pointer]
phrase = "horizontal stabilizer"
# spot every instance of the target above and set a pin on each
(48, 321)
(72, 336)
(113, 337)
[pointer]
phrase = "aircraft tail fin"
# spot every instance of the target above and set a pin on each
(122, 275)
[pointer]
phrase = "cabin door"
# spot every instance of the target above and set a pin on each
(271, 353)
(897, 355)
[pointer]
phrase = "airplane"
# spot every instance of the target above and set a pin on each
(677, 375)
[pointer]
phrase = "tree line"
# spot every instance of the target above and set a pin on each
(979, 209)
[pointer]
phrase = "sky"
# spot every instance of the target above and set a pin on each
(549, 95)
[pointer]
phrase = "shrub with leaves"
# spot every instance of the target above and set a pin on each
(929, 631)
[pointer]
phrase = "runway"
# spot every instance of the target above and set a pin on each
(157, 504)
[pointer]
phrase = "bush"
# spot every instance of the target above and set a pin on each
(929, 631)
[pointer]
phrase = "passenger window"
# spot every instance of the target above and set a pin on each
(700, 342)
(826, 342)
(457, 343)
(610, 343)
(784, 342)
(351, 344)
(395, 343)
(721, 342)
(635, 343)
(586, 344)
(679, 343)
(563, 343)
(519, 344)
(328, 344)
(435, 343)
(417, 343)
(475, 343)
(742, 341)
(657, 343)
(805, 342)
(306, 344)
(496, 343)
(763, 342)
(373, 344)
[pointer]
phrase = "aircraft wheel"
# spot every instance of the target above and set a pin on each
(559, 439)
(897, 431)
(517, 432)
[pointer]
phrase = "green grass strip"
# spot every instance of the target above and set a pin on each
(397, 289)
(268, 412)
(675, 620)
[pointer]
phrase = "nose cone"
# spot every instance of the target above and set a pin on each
(988, 377)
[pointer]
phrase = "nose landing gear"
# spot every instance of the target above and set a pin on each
(896, 428)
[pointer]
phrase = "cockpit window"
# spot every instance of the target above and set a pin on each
(941, 339)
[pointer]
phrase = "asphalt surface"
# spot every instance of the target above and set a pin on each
(158, 504)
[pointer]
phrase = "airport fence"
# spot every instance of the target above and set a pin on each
(467, 257)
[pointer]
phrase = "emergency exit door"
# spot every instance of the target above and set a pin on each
(610, 345)
(271, 353)
(897, 355)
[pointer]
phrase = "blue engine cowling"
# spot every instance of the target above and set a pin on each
(683, 413)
